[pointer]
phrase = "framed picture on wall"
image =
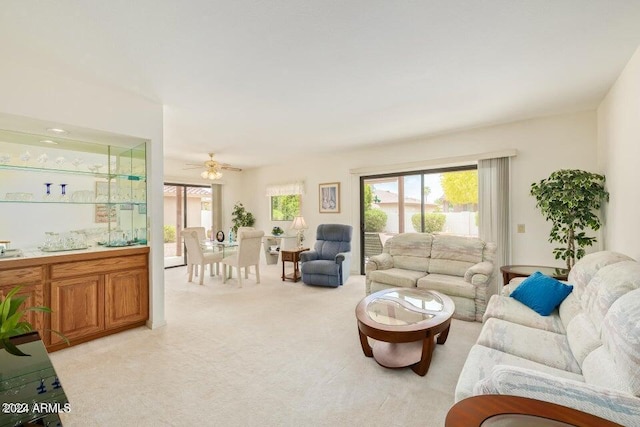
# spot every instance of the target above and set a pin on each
(329, 197)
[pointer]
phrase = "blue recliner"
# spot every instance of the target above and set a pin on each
(329, 263)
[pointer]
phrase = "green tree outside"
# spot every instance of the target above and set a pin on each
(169, 233)
(375, 220)
(285, 208)
(460, 187)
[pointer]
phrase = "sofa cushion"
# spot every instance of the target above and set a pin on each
(550, 349)
(599, 369)
(584, 270)
(541, 293)
(397, 277)
(481, 361)
(410, 251)
(453, 255)
(582, 337)
(505, 308)
(450, 285)
(569, 308)
(621, 337)
(606, 286)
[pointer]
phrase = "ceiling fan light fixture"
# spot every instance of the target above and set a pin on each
(211, 174)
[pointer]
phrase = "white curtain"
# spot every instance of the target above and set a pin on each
(493, 200)
(285, 189)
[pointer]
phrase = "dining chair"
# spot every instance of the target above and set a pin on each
(201, 236)
(248, 254)
(196, 256)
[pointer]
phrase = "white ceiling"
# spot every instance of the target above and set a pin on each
(257, 81)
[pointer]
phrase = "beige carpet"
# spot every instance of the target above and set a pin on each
(274, 354)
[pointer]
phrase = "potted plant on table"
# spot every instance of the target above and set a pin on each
(570, 199)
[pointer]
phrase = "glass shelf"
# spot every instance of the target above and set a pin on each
(103, 175)
(60, 202)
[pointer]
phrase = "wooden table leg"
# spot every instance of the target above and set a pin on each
(283, 270)
(422, 367)
(366, 348)
(442, 338)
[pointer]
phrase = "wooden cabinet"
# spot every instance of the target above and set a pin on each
(127, 298)
(91, 294)
(31, 282)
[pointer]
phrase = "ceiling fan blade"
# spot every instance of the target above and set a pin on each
(200, 165)
(192, 167)
(230, 168)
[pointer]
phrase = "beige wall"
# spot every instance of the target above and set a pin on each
(33, 93)
(618, 154)
(543, 146)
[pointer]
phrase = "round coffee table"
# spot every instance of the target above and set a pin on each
(404, 323)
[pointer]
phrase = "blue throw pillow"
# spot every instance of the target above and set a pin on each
(541, 293)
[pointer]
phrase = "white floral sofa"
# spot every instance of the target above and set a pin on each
(460, 267)
(585, 355)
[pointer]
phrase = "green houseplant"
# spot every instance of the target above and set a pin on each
(241, 218)
(570, 199)
(11, 323)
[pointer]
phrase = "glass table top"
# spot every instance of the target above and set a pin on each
(404, 307)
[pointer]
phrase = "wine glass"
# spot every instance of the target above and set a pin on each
(77, 162)
(25, 157)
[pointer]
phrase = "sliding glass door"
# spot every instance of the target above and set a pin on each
(430, 201)
(184, 206)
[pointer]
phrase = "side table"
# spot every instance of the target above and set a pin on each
(511, 271)
(292, 255)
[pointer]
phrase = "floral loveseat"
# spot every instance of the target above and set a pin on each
(460, 267)
(585, 355)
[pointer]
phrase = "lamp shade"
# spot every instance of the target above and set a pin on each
(299, 223)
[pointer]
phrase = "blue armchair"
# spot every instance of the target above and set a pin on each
(329, 263)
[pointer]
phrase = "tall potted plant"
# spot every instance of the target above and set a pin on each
(570, 199)
(241, 218)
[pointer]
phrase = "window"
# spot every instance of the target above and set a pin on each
(285, 208)
(430, 201)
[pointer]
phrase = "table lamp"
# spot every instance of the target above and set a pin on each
(299, 225)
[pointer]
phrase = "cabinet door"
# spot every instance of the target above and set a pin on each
(35, 297)
(127, 298)
(78, 307)
(31, 282)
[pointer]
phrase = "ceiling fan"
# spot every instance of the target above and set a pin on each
(212, 168)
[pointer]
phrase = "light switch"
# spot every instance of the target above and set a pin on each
(520, 228)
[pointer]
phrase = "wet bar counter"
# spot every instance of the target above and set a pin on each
(92, 293)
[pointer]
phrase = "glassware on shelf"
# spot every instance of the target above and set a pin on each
(47, 194)
(42, 159)
(63, 193)
(77, 162)
(5, 158)
(60, 161)
(25, 157)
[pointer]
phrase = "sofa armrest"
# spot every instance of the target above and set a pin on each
(479, 273)
(308, 256)
(382, 261)
(617, 406)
